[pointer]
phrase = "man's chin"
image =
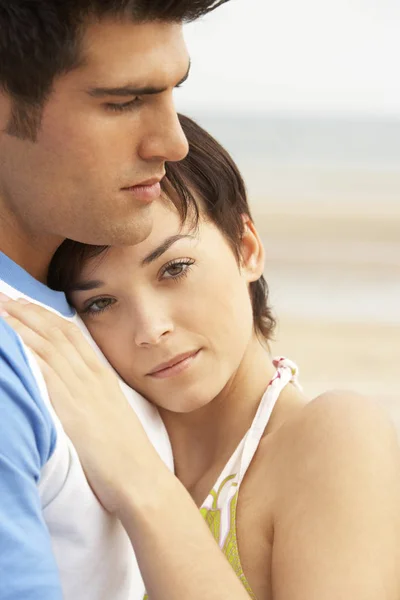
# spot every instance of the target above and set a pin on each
(139, 232)
(125, 234)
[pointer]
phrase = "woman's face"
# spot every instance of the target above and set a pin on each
(173, 314)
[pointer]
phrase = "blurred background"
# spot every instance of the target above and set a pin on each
(306, 97)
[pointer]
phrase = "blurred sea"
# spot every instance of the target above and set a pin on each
(328, 157)
(325, 195)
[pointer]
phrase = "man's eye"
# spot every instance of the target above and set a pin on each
(117, 107)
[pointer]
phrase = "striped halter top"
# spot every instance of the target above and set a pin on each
(219, 508)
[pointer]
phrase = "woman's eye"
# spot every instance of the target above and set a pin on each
(98, 306)
(177, 269)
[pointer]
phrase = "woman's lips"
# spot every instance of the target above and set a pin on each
(175, 366)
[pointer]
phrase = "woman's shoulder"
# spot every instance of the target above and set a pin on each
(332, 469)
(334, 438)
(336, 419)
(329, 484)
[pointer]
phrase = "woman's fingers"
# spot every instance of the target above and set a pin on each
(75, 398)
(57, 355)
(52, 363)
(68, 377)
(63, 348)
(53, 333)
(61, 395)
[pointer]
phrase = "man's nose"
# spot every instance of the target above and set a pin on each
(165, 139)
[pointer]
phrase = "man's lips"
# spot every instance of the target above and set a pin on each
(174, 365)
(146, 191)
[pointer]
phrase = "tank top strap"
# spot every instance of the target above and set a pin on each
(286, 372)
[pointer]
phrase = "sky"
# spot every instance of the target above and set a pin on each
(324, 56)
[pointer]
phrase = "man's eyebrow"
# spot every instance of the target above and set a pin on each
(132, 89)
(162, 248)
(85, 286)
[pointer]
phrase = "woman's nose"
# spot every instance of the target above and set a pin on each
(151, 331)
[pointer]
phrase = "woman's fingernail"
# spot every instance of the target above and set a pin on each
(4, 298)
(23, 301)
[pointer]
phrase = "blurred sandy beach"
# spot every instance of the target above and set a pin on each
(334, 278)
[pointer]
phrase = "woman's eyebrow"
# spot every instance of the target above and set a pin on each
(163, 247)
(85, 286)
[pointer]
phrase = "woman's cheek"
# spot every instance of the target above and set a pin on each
(115, 348)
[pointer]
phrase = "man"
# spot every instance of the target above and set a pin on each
(87, 122)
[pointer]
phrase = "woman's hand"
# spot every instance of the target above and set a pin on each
(86, 397)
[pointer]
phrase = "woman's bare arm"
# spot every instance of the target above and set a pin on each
(177, 556)
(337, 513)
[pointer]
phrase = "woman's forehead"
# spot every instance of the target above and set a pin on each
(167, 223)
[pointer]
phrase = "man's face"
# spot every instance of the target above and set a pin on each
(92, 173)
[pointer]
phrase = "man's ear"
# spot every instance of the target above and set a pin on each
(252, 252)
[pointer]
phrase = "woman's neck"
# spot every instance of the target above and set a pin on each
(203, 440)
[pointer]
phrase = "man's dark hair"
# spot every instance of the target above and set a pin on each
(40, 39)
(208, 172)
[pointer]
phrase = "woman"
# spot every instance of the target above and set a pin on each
(302, 497)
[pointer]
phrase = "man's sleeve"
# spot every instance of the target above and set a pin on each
(27, 438)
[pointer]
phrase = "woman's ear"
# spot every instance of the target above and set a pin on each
(252, 251)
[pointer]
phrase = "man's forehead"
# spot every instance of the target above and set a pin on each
(109, 42)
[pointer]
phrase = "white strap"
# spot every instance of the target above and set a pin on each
(287, 372)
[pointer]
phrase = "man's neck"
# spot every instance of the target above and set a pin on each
(31, 252)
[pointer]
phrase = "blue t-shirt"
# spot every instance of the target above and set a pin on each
(28, 570)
